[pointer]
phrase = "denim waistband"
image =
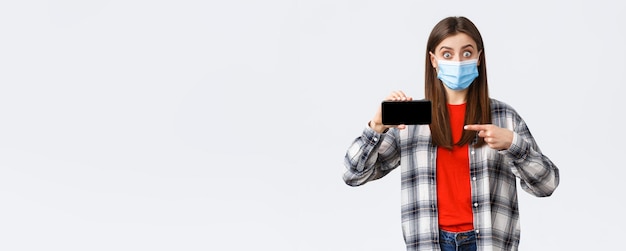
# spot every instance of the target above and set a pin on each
(458, 238)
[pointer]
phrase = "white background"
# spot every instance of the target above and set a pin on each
(222, 125)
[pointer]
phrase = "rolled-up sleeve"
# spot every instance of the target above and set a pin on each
(371, 156)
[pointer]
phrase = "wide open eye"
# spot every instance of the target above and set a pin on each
(467, 54)
(447, 55)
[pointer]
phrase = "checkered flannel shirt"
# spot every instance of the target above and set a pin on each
(493, 177)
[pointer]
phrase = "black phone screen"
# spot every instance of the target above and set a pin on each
(415, 112)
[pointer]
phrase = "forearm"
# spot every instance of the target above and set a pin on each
(371, 156)
(538, 175)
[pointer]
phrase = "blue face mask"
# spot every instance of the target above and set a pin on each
(457, 75)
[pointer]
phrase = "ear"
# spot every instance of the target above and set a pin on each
(433, 60)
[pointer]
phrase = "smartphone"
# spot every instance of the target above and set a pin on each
(414, 112)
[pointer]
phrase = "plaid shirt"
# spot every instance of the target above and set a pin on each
(493, 177)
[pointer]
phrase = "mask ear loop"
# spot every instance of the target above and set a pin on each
(431, 61)
(436, 69)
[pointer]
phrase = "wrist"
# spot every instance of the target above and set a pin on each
(379, 128)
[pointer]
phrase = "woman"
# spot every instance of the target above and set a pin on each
(458, 173)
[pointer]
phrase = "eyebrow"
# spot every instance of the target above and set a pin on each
(449, 48)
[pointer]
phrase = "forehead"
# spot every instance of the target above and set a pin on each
(457, 41)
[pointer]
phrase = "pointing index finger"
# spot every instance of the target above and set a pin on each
(475, 127)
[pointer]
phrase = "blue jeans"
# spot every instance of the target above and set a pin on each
(465, 241)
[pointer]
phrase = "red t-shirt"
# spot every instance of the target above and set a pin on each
(454, 199)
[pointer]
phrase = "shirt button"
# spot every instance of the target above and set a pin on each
(474, 178)
(472, 152)
(375, 139)
(477, 231)
(475, 204)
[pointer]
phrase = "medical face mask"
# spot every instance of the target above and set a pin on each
(457, 75)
